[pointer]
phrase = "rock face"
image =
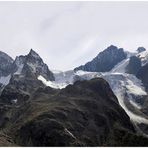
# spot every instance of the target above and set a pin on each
(141, 49)
(23, 81)
(134, 65)
(32, 65)
(5, 64)
(143, 75)
(105, 60)
(84, 114)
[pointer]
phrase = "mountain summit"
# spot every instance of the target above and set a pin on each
(23, 77)
(32, 65)
(105, 60)
(33, 54)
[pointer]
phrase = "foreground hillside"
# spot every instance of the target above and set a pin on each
(84, 114)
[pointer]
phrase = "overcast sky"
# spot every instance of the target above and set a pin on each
(68, 34)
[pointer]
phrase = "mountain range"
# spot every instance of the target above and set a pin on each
(101, 103)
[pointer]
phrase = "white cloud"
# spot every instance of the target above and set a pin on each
(68, 34)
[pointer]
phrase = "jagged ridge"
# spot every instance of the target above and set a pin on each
(105, 60)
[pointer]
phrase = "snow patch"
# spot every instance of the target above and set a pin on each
(52, 84)
(121, 67)
(5, 80)
(64, 77)
(14, 101)
(135, 89)
(120, 83)
(33, 66)
(135, 104)
(136, 118)
(66, 130)
(19, 70)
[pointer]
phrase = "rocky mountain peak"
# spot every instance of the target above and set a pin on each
(105, 60)
(33, 54)
(141, 49)
(111, 47)
(32, 65)
(112, 50)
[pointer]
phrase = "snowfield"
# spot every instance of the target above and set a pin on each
(52, 84)
(121, 67)
(125, 86)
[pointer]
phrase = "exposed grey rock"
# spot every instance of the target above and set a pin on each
(32, 65)
(105, 60)
(143, 75)
(134, 65)
(5, 64)
(141, 49)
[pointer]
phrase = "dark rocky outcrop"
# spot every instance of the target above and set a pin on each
(32, 65)
(5, 64)
(19, 88)
(105, 60)
(134, 65)
(23, 82)
(141, 49)
(143, 75)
